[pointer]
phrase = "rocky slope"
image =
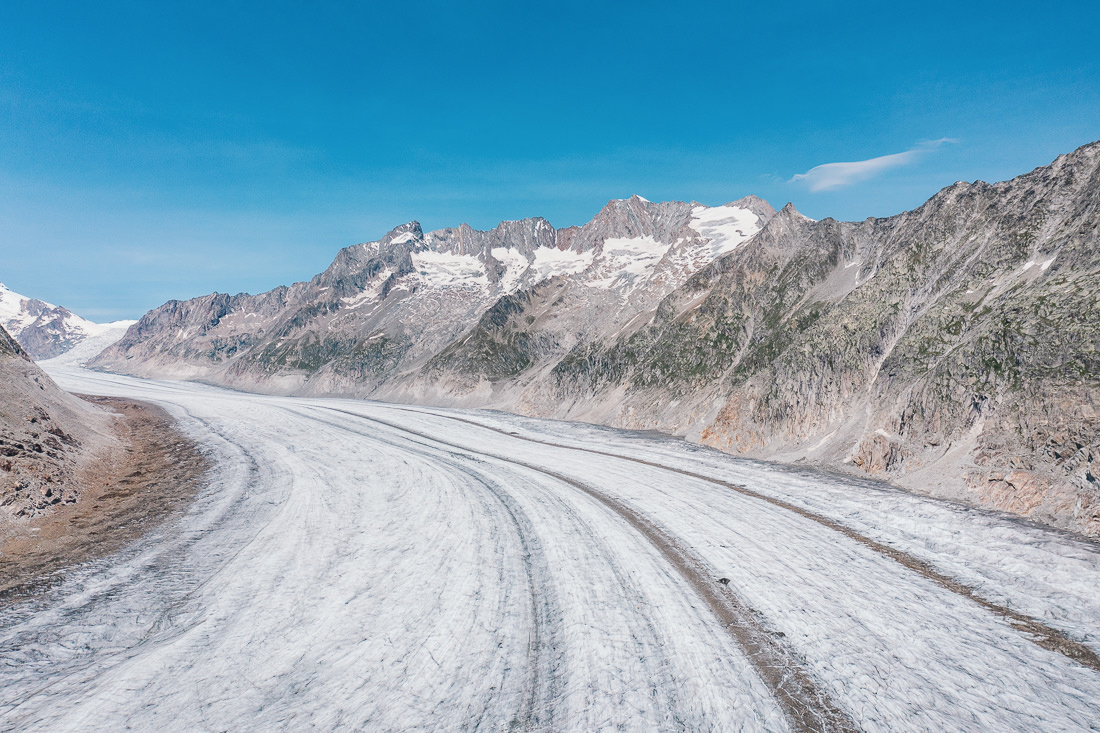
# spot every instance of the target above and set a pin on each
(46, 436)
(952, 349)
(46, 331)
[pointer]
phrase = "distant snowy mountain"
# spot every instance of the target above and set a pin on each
(47, 331)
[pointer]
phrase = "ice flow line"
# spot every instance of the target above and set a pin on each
(1044, 636)
(808, 708)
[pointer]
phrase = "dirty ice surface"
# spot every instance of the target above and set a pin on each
(361, 566)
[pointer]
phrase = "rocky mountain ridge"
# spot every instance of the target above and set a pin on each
(384, 309)
(952, 349)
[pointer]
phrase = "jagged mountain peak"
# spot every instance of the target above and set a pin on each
(632, 218)
(786, 228)
(637, 204)
(627, 218)
(790, 213)
(522, 235)
(12, 304)
(1085, 155)
(755, 204)
(409, 232)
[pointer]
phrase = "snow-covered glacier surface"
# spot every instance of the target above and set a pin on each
(361, 566)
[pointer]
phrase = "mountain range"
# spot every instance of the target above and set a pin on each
(952, 349)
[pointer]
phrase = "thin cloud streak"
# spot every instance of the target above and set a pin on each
(828, 176)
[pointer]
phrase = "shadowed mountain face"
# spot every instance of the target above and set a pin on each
(952, 349)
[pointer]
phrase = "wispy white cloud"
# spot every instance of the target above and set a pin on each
(834, 175)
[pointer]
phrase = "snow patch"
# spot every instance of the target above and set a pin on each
(550, 262)
(402, 238)
(625, 262)
(446, 270)
(99, 329)
(515, 266)
(15, 316)
(725, 226)
(11, 307)
(106, 335)
(370, 293)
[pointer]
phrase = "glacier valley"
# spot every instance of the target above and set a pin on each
(367, 566)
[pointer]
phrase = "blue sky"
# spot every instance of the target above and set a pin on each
(151, 151)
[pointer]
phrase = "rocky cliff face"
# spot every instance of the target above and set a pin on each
(952, 349)
(45, 436)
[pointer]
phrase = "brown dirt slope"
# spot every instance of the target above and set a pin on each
(123, 493)
(79, 478)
